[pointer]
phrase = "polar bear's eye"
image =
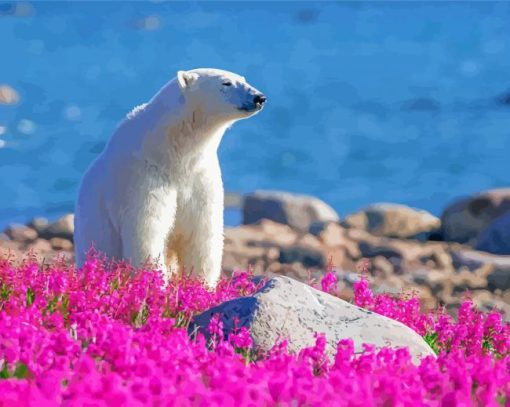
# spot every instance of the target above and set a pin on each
(227, 83)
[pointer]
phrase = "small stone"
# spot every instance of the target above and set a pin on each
(431, 278)
(39, 224)
(149, 23)
(297, 211)
(40, 246)
(336, 256)
(16, 9)
(307, 257)
(21, 233)
(383, 266)
(499, 279)
(273, 253)
(368, 249)
(466, 279)
(474, 260)
(330, 233)
(442, 259)
(8, 96)
(393, 220)
(62, 227)
(310, 242)
(506, 296)
(58, 243)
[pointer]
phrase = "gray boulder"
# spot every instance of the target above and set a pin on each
(464, 220)
(498, 266)
(495, 238)
(297, 211)
(394, 220)
(286, 308)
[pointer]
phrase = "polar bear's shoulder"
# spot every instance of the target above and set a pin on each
(136, 111)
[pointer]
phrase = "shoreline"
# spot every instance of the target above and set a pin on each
(401, 248)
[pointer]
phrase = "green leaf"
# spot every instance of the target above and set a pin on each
(4, 373)
(21, 371)
(4, 292)
(431, 339)
(30, 296)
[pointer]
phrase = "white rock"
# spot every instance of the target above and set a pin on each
(286, 308)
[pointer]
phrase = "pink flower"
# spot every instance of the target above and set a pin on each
(111, 335)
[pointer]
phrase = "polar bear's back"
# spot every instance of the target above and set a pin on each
(92, 223)
(111, 182)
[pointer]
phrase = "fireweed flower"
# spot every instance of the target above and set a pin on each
(109, 334)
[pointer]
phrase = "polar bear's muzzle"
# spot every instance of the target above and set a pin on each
(257, 103)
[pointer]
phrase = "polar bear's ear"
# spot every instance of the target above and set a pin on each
(185, 79)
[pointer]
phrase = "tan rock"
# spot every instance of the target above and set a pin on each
(333, 235)
(8, 95)
(443, 259)
(308, 257)
(39, 224)
(298, 211)
(394, 220)
(10, 246)
(383, 266)
(486, 301)
(58, 243)
(427, 299)
(310, 242)
(296, 270)
(431, 278)
(271, 233)
(465, 279)
(330, 233)
(21, 233)
(506, 296)
(336, 256)
(232, 261)
(280, 234)
(273, 253)
(498, 278)
(62, 227)
(390, 285)
(40, 246)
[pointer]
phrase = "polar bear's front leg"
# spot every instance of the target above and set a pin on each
(145, 230)
(203, 251)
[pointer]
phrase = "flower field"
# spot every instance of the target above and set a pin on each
(111, 335)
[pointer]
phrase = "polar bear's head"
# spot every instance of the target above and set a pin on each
(220, 94)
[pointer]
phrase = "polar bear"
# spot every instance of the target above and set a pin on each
(155, 192)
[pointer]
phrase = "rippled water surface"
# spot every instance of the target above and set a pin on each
(376, 102)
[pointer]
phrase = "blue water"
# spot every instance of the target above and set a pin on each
(367, 102)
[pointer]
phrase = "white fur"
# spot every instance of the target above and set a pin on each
(155, 192)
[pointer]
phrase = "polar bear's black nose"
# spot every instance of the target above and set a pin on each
(259, 99)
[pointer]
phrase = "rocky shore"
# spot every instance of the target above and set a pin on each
(400, 248)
